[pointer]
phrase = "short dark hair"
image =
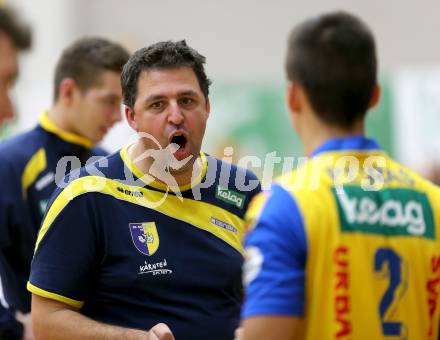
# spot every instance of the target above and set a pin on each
(162, 55)
(86, 59)
(333, 57)
(19, 32)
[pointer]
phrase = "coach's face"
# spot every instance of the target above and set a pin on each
(171, 107)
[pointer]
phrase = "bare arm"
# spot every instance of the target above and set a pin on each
(53, 320)
(270, 328)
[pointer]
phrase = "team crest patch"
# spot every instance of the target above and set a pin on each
(145, 237)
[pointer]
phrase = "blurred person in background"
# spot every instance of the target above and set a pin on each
(348, 245)
(87, 103)
(14, 37)
(124, 250)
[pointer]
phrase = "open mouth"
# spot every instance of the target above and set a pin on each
(180, 140)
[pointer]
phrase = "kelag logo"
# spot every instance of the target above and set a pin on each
(230, 196)
(404, 212)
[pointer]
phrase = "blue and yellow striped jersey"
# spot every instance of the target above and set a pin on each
(28, 164)
(350, 242)
(131, 254)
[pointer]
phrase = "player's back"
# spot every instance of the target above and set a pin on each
(373, 250)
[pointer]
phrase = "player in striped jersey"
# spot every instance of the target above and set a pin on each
(86, 103)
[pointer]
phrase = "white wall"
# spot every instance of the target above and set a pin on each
(246, 38)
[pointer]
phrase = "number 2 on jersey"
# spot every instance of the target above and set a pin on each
(388, 264)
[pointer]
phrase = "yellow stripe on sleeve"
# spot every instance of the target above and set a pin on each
(44, 293)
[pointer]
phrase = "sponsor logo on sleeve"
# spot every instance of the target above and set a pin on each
(230, 196)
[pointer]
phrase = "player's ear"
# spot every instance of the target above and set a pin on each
(293, 97)
(130, 115)
(66, 90)
(375, 96)
(208, 106)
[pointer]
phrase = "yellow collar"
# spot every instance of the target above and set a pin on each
(70, 137)
(155, 183)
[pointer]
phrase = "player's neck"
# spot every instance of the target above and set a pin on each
(317, 133)
(57, 115)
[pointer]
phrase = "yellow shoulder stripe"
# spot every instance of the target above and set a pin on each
(33, 168)
(200, 214)
(44, 293)
(70, 137)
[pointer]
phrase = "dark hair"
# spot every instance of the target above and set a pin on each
(86, 59)
(19, 33)
(333, 57)
(162, 55)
